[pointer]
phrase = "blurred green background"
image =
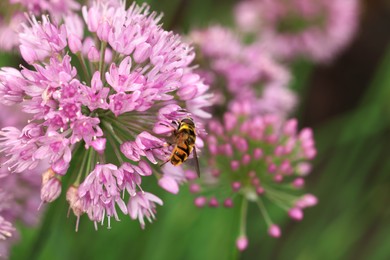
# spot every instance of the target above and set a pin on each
(348, 105)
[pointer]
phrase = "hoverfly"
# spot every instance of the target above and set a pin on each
(184, 138)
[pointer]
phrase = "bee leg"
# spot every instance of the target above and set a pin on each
(182, 110)
(176, 123)
(159, 147)
(169, 126)
(161, 165)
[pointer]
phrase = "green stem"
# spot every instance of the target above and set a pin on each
(89, 161)
(244, 210)
(116, 151)
(279, 194)
(264, 211)
(121, 126)
(101, 62)
(77, 182)
(83, 65)
(109, 128)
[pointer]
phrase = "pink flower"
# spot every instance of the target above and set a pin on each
(19, 148)
(51, 190)
(143, 205)
(41, 40)
(172, 177)
(12, 84)
(130, 176)
(99, 194)
(96, 94)
(133, 76)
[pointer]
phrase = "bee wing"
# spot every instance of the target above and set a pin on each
(196, 162)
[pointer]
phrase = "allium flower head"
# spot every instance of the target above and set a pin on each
(317, 29)
(240, 72)
(256, 159)
(132, 78)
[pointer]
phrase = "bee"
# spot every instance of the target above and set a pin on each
(184, 138)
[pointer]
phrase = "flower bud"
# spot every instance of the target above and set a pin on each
(242, 242)
(103, 31)
(74, 43)
(200, 202)
(142, 52)
(194, 188)
(228, 203)
(50, 190)
(298, 183)
(274, 231)
(236, 186)
(72, 197)
(47, 175)
(296, 213)
(169, 184)
(213, 203)
(93, 54)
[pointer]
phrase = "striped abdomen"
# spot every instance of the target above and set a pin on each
(185, 142)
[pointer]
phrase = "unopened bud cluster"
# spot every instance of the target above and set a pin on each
(254, 159)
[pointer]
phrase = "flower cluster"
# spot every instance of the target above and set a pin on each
(19, 193)
(134, 78)
(256, 158)
(317, 29)
(243, 73)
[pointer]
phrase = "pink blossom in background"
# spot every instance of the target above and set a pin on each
(19, 193)
(255, 159)
(19, 202)
(317, 30)
(243, 73)
(135, 79)
(11, 22)
(55, 8)
(8, 31)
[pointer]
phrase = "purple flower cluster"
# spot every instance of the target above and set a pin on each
(256, 158)
(135, 78)
(242, 73)
(317, 30)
